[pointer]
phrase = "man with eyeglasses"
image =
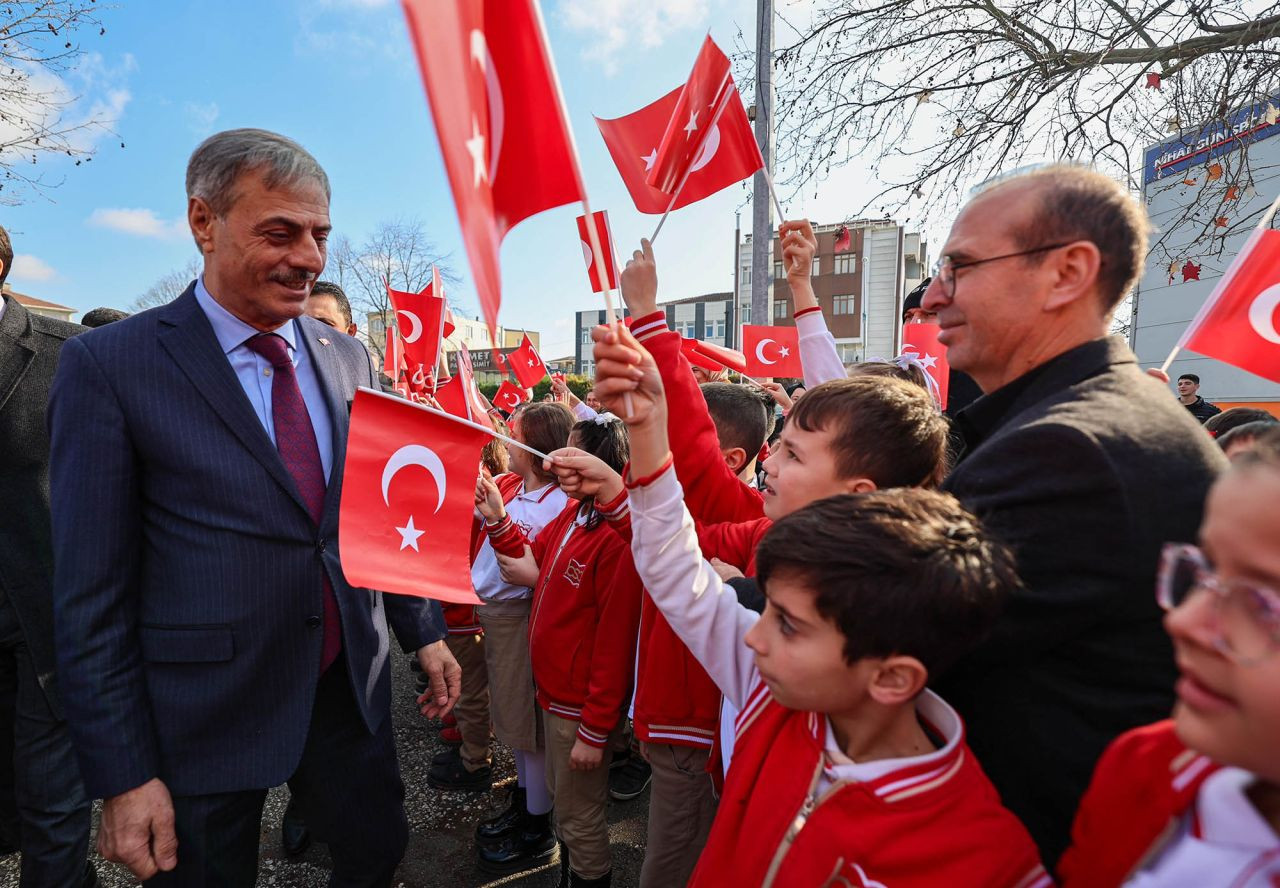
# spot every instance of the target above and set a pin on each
(1080, 462)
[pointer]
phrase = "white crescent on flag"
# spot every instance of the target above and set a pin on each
(481, 56)
(416, 324)
(760, 352)
(511, 399)
(415, 455)
(586, 253)
(1262, 314)
(708, 150)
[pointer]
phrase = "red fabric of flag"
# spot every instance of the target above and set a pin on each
(1239, 323)
(420, 317)
(526, 364)
(408, 491)
(729, 155)
(844, 240)
(689, 127)
(503, 133)
(600, 221)
(921, 340)
(772, 351)
(393, 362)
(689, 348)
(509, 396)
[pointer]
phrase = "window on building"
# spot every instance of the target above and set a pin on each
(586, 336)
(845, 263)
(843, 305)
(817, 266)
(780, 310)
(779, 271)
(746, 314)
(850, 353)
(720, 329)
(745, 276)
(690, 330)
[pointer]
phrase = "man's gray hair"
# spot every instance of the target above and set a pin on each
(220, 160)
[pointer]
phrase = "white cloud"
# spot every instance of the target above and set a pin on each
(612, 26)
(75, 111)
(140, 222)
(201, 116)
(28, 268)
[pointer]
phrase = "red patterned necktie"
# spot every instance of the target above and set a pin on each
(296, 441)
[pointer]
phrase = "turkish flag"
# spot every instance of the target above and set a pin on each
(509, 396)
(772, 351)
(421, 319)
(604, 236)
(712, 357)
(408, 493)
(526, 364)
(451, 395)
(702, 100)
(498, 114)
(844, 240)
(1238, 324)
(922, 341)
(729, 155)
(393, 362)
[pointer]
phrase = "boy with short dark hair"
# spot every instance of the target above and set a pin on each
(847, 770)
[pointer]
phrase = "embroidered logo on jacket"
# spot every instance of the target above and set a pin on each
(573, 572)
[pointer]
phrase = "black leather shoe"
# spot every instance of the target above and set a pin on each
(449, 754)
(294, 835)
(629, 781)
(502, 824)
(453, 775)
(532, 845)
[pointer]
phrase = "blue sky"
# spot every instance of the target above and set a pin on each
(339, 76)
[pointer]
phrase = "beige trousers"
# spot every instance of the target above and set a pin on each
(579, 799)
(682, 804)
(512, 704)
(472, 709)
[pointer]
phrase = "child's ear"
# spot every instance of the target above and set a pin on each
(897, 680)
(857, 485)
(735, 458)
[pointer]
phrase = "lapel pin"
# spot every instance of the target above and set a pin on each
(324, 341)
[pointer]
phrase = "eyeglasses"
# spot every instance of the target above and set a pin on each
(1246, 615)
(947, 268)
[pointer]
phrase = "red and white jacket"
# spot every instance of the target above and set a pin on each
(795, 810)
(676, 701)
(583, 623)
(1142, 787)
(460, 619)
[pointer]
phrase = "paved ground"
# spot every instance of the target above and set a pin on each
(440, 824)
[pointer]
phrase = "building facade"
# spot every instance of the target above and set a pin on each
(40, 306)
(1188, 257)
(860, 289)
(710, 317)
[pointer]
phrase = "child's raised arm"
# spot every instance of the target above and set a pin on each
(702, 610)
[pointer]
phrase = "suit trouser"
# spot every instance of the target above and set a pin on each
(53, 812)
(579, 799)
(472, 709)
(347, 785)
(682, 805)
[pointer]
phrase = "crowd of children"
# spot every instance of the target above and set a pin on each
(762, 612)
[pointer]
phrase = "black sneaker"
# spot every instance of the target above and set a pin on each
(454, 776)
(620, 759)
(631, 779)
(447, 755)
(532, 844)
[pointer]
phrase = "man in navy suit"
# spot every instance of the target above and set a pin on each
(208, 643)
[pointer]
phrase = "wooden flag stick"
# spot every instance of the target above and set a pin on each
(458, 419)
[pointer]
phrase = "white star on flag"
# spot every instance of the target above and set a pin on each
(531, 362)
(409, 536)
(650, 159)
(783, 351)
(928, 361)
(692, 126)
(475, 147)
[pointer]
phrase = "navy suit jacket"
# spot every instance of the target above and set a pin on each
(187, 570)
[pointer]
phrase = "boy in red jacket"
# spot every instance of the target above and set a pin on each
(1196, 801)
(847, 770)
(582, 641)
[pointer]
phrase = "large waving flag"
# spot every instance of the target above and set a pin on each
(921, 340)
(772, 351)
(1239, 323)
(422, 319)
(704, 94)
(408, 491)
(728, 154)
(527, 364)
(500, 120)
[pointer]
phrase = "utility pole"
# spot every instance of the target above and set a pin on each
(761, 209)
(734, 321)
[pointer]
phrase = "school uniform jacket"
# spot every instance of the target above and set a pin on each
(676, 701)
(461, 618)
(790, 814)
(1143, 785)
(582, 626)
